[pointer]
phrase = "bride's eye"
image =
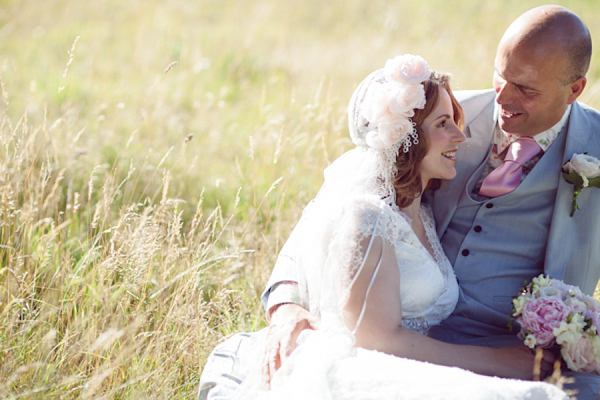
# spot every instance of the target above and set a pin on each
(442, 124)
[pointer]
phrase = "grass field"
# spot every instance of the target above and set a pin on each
(154, 156)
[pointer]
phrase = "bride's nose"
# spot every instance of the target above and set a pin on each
(458, 135)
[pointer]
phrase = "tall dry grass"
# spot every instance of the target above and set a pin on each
(155, 155)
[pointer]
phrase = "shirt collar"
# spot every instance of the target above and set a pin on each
(544, 139)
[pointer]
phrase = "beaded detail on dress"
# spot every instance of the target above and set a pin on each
(418, 325)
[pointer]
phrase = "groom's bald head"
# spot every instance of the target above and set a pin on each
(556, 33)
(540, 69)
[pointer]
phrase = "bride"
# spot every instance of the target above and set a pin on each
(372, 270)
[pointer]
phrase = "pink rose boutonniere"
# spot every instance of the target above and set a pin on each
(582, 171)
(552, 313)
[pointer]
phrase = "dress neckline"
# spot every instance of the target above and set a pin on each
(428, 228)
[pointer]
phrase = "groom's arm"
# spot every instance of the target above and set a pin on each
(285, 292)
(282, 287)
(286, 314)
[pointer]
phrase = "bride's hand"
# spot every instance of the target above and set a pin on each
(287, 322)
(521, 363)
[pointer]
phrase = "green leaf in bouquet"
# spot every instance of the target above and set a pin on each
(511, 326)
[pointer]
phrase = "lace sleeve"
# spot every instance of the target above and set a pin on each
(350, 243)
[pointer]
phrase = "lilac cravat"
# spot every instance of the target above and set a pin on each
(507, 177)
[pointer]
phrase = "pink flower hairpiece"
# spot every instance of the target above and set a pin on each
(389, 105)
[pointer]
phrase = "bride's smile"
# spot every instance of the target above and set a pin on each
(444, 136)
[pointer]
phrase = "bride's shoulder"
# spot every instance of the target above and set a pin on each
(372, 212)
(367, 206)
(367, 202)
(362, 209)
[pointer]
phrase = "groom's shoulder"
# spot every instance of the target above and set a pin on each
(586, 118)
(474, 96)
(589, 111)
(474, 102)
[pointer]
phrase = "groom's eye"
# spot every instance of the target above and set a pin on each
(526, 90)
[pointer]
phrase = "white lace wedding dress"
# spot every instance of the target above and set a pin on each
(326, 365)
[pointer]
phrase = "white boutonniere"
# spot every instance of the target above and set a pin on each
(582, 171)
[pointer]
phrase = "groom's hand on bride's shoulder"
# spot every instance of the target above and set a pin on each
(287, 322)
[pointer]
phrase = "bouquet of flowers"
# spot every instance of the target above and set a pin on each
(552, 313)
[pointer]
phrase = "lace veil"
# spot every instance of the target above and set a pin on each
(356, 202)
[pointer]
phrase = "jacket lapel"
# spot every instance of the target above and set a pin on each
(562, 230)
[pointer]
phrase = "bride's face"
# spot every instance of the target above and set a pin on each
(444, 137)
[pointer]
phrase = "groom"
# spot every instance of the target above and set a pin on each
(496, 239)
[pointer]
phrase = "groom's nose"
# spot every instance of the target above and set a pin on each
(503, 89)
(504, 93)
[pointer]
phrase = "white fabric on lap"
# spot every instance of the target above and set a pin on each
(326, 367)
(377, 376)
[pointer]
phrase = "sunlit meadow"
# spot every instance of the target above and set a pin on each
(154, 156)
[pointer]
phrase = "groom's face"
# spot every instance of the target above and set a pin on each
(530, 88)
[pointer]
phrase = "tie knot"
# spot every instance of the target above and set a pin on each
(522, 150)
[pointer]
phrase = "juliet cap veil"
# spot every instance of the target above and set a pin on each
(358, 187)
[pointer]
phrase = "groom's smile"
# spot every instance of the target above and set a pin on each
(508, 117)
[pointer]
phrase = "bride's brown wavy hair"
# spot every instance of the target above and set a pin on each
(408, 183)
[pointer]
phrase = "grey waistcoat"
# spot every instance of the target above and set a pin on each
(489, 275)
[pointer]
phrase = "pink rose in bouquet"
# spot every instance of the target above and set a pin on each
(580, 355)
(540, 317)
(576, 305)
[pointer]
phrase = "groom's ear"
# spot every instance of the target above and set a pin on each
(576, 88)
